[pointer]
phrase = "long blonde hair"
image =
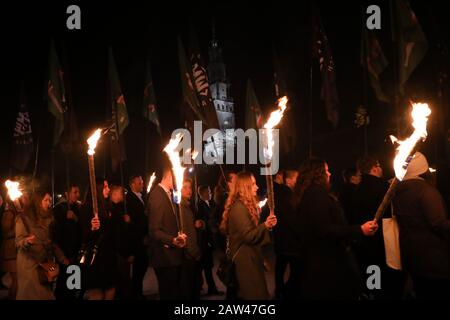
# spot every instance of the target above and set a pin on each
(241, 190)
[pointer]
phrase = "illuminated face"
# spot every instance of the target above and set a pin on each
(46, 202)
(186, 191)
(106, 189)
(74, 194)
(254, 187)
(328, 174)
(138, 184)
(117, 195)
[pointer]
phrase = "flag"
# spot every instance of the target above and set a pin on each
(322, 52)
(22, 147)
(374, 60)
(253, 113)
(149, 108)
(412, 44)
(187, 85)
(288, 130)
(201, 82)
(56, 94)
(119, 114)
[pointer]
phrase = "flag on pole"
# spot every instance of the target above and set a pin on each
(201, 82)
(119, 114)
(187, 84)
(56, 94)
(322, 52)
(374, 60)
(149, 108)
(22, 146)
(253, 113)
(412, 43)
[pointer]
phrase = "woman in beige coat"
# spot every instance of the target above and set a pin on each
(246, 236)
(34, 246)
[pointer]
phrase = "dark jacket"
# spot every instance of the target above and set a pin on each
(424, 229)
(138, 222)
(163, 226)
(205, 235)
(248, 238)
(284, 233)
(192, 251)
(67, 232)
(369, 195)
(329, 269)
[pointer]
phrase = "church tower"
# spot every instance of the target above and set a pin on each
(220, 92)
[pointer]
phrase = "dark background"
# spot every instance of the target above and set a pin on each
(246, 31)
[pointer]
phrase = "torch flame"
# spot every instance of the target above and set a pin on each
(432, 170)
(177, 168)
(274, 120)
(92, 141)
(420, 114)
(13, 187)
(262, 203)
(150, 183)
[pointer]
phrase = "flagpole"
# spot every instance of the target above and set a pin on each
(53, 174)
(395, 62)
(364, 76)
(119, 141)
(310, 111)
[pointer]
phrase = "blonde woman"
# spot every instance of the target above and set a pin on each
(246, 236)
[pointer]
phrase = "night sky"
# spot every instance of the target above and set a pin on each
(246, 31)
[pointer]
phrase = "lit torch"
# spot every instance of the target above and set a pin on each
(406, 151)
(178, 171)
(262, 203)
(14, 193)
(150, 183)
(274, 120)
(92, 142)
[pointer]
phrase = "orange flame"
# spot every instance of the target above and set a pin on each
(262, 203)
(177, 168)
(92, 141)
(13, 187)
(419, 114)
(274, 120)
(150, 183)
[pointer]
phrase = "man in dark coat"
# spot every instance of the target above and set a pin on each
(370, 251)
(283, 235)
(67, 235)
(424, 231)
(167, 242)
(205, 235)
(139, 232)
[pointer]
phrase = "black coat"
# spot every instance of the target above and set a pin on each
(138, 223)
(424, 229)
(286, 230)
(368, 196)
(67, 233)
(328, 268)
(163, 226)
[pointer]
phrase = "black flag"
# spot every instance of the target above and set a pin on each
(22, 146)
(322, 52)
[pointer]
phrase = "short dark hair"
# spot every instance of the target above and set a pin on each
(132, 177)
(366, 163)
(202, 189)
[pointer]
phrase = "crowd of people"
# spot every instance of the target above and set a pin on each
(323, 240)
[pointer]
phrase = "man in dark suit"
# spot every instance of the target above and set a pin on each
(167, 242)
(139, 232)
(203, 225)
